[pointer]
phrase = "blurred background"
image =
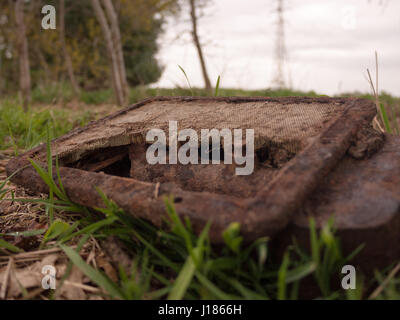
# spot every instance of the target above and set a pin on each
(64, 63)
(327, 44)
(68, 62)
(307, 45)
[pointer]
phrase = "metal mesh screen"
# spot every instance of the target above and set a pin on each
(287, 125)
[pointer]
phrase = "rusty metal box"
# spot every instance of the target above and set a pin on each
(312, 156)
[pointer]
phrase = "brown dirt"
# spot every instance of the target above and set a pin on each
(25, 269)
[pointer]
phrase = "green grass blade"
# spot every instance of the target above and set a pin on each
(59, 177)
(315, 246)
(354, 253)
(14, 144)
(183, 280)
(96, 276)
(3, 190)
(56, 229)
(301, 272)
(217, 86)
(48, 180)
(8, 246)
(179, 228)
(218, 293)
(245, 292)
(385, 118)
(91, 228)
(232, 238)
(50, 172)
(187, 79)
(395, 120)
(282, 277)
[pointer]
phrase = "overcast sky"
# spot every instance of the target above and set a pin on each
(329, 43)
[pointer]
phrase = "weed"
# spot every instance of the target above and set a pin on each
(388, 122)
(187, 79)
(176, 263)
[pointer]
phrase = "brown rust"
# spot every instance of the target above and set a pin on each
(267, 209)
(217, 178)
(366, 143)
(363, 197)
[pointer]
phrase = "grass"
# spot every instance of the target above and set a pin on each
(24, 130)
(390, 122)
(175, 263)
(181, 265)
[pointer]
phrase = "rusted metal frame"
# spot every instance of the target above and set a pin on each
(265, 214)
(299, 178)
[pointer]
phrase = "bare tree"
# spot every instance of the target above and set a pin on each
(116, 34)
(67, 57)
(23, 54)
(118, 82)
(196, 41)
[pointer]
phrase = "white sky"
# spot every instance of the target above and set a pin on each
(330, 43)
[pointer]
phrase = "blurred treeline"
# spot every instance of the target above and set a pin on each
(83, 42)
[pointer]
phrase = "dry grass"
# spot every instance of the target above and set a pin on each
(21, 273)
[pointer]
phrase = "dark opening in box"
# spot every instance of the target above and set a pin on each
(297, 141)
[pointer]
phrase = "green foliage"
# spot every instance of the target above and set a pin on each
(232, 237)
(139, 54)
(140, 26)
(176, 263)
(97, 97)
(8, 246)
(56, 229)
(385, 118)
(27, 129)
(217, 86)
(326, 254)
(52, 93)
(187, 79)
(200, 271)
(95, 275)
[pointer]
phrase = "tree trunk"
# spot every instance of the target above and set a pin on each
(116, 34)
(23, 54)
(43, 62)
(118, 88)
(196, 41)
(67, 57)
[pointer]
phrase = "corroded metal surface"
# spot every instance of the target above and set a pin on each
(268, 209)
(363, 196)
(289, 122)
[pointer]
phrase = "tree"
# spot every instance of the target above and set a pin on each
(141, 22)
(77, 50)
(196, 41)
(109, 37)
(67, 57)
(23, 54)
(116, 35)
